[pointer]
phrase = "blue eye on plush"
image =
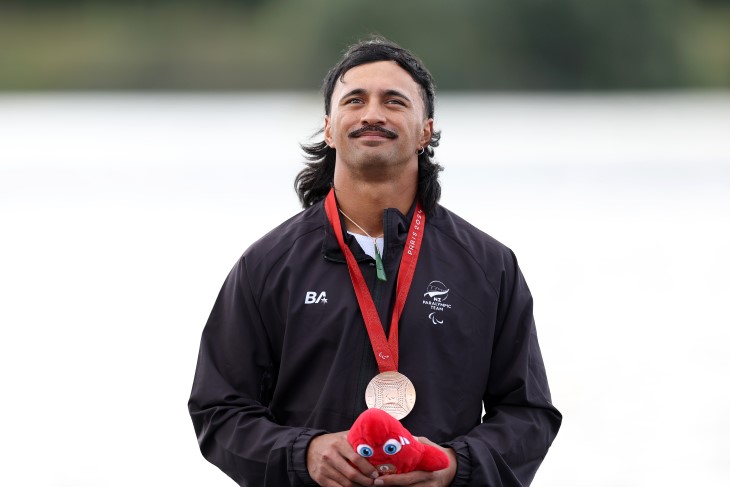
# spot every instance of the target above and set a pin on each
(391, 447)
(364, 450)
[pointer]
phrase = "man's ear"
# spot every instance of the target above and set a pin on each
(328, 132)
(427, 133)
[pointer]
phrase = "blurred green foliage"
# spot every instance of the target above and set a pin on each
(290, 44)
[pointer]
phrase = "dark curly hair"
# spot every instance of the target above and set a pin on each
(314, 181)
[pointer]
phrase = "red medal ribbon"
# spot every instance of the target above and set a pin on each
(385, 349)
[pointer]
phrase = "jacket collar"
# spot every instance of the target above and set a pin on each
(395, 226)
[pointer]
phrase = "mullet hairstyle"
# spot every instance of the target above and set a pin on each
(314, 181)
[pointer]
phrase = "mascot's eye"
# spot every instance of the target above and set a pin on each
(392, 447)
(364, 450)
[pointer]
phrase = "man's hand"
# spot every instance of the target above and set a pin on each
(330, 460)
(439, 478)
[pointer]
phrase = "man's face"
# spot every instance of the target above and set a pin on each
(377, 117)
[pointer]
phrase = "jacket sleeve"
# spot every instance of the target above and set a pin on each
(231, 391)
(520, 421)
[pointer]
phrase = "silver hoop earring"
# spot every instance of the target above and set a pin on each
(421, 151)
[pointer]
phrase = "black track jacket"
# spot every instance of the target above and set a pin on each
(285, 355)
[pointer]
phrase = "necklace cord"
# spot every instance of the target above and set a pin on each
(379, 267)
(358, 226)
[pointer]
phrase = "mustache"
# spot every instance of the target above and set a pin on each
(373, 128)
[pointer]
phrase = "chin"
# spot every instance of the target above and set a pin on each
(376, 162)
(381, 159)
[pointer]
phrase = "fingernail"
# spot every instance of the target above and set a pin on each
(375, 475)
(378, 482)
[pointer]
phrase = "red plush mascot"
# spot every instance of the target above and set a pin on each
(389, 447)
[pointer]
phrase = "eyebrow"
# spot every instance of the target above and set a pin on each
(362, 91)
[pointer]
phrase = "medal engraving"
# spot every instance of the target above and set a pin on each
(392, 392)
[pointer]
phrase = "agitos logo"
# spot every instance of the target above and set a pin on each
(435, 297)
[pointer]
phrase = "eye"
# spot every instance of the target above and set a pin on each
(396, 101)
(353, 101)
(364, 450)
(392, 447)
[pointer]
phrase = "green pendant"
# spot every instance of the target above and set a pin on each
(379, 265)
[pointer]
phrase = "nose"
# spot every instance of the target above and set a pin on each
(373, 115)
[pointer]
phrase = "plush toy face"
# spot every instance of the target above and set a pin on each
(389, 447)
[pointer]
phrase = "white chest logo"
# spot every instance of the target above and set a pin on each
(435, 299)
(312, 297)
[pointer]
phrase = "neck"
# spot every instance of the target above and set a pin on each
(364, 201)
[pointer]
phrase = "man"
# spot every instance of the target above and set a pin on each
(297, 337)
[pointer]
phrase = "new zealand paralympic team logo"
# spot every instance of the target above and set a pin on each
(435, 298)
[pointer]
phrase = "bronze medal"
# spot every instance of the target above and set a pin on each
(392, 392)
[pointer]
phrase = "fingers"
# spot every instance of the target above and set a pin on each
(332, 462)
(417, 478)
(426, 441)
(439, 478)
(449, 452)
(362, 465)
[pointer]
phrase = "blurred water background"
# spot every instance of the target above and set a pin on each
(144, 146)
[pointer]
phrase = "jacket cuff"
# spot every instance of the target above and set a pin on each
(463, 462)
(298, 455)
